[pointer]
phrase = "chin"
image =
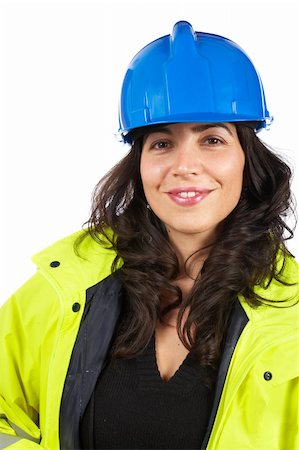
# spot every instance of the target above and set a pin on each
(194, 230)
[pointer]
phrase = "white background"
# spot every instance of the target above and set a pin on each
(62, 64)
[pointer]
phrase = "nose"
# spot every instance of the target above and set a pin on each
(187, 161)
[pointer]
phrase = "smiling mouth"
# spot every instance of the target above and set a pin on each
(188, 197)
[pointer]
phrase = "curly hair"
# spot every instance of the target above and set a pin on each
(245, 254)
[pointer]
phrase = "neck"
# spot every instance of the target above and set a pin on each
(192, 251)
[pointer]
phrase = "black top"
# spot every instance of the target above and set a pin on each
(133, 408)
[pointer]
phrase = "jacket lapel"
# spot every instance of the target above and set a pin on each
(101, 313)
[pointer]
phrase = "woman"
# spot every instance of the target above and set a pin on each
(172, 322)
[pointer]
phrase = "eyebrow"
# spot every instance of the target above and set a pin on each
(199, 127)
(204, 126)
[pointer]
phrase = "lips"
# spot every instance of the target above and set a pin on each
(188, 196)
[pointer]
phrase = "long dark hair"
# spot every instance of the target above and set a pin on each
(245, 254)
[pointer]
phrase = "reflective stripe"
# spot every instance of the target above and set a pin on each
(6, 440)
(21, 433)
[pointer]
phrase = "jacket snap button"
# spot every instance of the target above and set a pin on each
(76, 307)
(268, 376)
(55, 264)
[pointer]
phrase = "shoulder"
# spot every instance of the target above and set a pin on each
(76, 261)
(66, 249)
(281, 298)
(63, 274)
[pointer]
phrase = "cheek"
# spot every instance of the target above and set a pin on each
(145, 173)
(143, 170)
(230, 172)
(151, 173)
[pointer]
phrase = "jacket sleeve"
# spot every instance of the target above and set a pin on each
(22, 330)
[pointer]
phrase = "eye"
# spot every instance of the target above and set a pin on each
(160, 145)
(213, 141)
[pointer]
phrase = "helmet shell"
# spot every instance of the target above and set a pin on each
(191, 77)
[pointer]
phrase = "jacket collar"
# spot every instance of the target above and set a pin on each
(72, 271)
(93, 264)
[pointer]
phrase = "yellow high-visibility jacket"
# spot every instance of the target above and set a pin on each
(39, 331)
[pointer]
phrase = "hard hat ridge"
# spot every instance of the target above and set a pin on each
(183, 38)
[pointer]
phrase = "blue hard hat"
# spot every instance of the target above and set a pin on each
(191, 77)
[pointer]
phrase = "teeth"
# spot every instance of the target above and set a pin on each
(187, 194)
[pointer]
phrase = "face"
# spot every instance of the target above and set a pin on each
(192, 176)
